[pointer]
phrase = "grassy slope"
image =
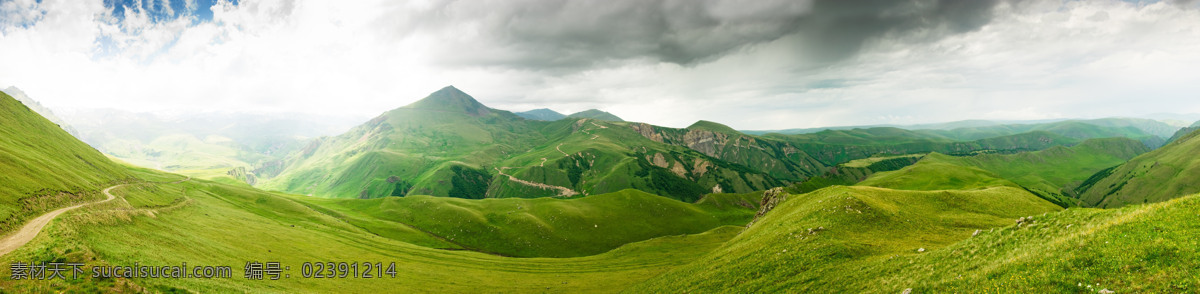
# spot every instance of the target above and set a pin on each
(44, 167)
(217, 224)
(544, 227)
(1165, 173)
(854, 228)
(1144, 248)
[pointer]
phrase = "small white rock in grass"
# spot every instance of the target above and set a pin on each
(976, 233)
(1106, 291)
(922, 249)
(906, 291)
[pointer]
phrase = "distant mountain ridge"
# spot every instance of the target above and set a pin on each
(543, 114)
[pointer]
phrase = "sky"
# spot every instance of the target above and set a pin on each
(754, 64)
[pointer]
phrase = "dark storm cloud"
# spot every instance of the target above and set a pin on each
(580, 34)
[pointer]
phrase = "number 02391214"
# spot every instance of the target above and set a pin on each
(356, 270)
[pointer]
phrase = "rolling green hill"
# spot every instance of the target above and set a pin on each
(206, 223)
(937, 172)
(543, 227)
(850, 173)
(1165, 173)
(42, 167)
(595, 114)
(1051, 174)
(832, 240)
(1055, 172)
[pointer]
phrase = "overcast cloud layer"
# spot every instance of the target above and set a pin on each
(760, 64)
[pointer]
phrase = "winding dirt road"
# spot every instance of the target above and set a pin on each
(33, 227)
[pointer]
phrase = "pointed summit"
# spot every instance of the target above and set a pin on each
(450, 99)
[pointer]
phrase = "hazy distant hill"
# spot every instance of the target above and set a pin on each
(200, 144)
(1150, 132)
(541, 114)
(1184, 131)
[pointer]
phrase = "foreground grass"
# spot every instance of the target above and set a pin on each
(218, 224)
(1139, 249)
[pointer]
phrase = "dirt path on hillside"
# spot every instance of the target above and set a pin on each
(562, 191)
(559, 148)
(33, 227)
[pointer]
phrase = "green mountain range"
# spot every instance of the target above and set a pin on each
(449, 144)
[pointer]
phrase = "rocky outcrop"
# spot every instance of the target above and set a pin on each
(679, 170)
(771, 199)
(658, 160)
(647, 130)
(705, 141)
(241, 174)
(700, 167)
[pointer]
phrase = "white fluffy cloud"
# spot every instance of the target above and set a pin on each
(1020, 60)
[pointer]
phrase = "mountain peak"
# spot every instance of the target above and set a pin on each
(450, 99)
(595, 114)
